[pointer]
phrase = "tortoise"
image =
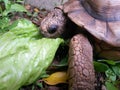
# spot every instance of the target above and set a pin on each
(93, 26)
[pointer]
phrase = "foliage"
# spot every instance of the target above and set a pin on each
(112, 72)
(7, 9)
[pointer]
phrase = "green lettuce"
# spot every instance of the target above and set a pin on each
(24, 55)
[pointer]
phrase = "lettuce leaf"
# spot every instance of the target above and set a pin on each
(24, 55)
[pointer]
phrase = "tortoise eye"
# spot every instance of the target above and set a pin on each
(52, 29)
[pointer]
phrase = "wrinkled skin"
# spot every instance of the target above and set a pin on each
(80, 69)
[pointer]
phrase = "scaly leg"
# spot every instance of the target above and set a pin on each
(81, 71)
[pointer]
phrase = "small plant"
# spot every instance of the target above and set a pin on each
(112, 73)
(7, 9)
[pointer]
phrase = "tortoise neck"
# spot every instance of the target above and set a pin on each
(105, 10)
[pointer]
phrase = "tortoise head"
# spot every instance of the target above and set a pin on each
(106, 10)
(53, 24)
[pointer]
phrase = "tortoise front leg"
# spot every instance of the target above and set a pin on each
(80, 71)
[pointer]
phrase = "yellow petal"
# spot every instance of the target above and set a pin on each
(56, 78)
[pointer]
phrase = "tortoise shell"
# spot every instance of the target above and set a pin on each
(101, 18)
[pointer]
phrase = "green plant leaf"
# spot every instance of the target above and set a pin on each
(116, 69)
(17, 8)
(20, 1)
(39, 84)
(14, 8)
(24, 55)
(100, 67)
(110, 75)
(7, 3)
(4, 22)
(111, 62)
(110, 86)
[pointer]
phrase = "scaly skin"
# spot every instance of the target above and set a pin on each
(55, 17)
(80, 71)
